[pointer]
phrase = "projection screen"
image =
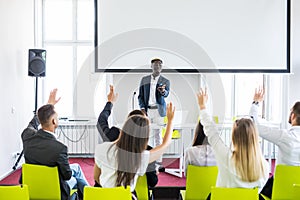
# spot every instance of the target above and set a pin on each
(193, 36)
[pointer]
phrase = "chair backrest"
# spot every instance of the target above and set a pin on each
(199, 181)
(42, 181)
(219, 193)
(14, 192)
(175, 134)
(141, 188)
(284, 178)
(296, 192)
(92, 193)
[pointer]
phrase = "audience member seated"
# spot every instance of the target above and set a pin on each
(200, 153)
(287, 141)
(41, 148)
(112, 134)
(119, 163)
(241, 165)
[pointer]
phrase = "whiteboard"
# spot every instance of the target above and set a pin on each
(193, 35)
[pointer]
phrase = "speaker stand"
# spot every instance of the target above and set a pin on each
(34, 112)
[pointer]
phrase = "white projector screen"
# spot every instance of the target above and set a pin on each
(193, 35)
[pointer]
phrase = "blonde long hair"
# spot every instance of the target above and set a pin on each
(247, 155)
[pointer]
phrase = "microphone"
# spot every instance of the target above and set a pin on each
(134, 93)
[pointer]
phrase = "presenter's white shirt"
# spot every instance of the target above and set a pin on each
(227, 175)
(153, 83)
(105, 159)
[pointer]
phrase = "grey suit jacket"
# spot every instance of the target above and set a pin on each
(42, 148)
(144, 92)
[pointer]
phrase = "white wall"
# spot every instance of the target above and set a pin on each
(17, 89)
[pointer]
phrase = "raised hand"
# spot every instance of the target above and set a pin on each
(170, 111)
(112, 96)
(259, 94)
(52, 97)
(202, 98)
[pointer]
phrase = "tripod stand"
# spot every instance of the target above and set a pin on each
(34, 112)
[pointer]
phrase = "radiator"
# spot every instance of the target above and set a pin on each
(81, 137)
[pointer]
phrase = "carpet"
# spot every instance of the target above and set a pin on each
(87, 165)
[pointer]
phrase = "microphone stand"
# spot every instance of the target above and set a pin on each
(34, 112)
(134, 93)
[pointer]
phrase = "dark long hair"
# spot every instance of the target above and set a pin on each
(132, 142)
(199, 137)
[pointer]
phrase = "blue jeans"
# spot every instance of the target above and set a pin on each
(78, 180)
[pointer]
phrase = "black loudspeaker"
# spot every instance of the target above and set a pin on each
(37, 62)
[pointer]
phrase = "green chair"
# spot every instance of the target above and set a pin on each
(42, 181)
(220, 193)
(296, 192)
(285, 177)
(199, 181)
(93, 193)
(141, 188)
(14, 192)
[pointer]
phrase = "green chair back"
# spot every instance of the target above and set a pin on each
(42, 181)
(141, 188)
(93, 193)
(219, 193)
(296, 192)
(14, 192)
(199, 181)
(284, 178)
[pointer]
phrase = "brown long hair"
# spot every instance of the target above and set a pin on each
(131, 143)
(247, 155)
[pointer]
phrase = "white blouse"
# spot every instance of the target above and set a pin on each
(105, 159)
(200, 155)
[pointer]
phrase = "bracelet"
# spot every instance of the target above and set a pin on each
(255, 102)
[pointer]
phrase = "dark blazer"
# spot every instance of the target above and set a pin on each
(42, 148)
(144, 92)
(111, 134)
(107, 134)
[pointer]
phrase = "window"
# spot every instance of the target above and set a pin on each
(68, 37)
(274, 109)
(245, 85)
(227, 81)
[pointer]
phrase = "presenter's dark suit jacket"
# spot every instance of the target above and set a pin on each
(111, 134)
(144, 92)
(42, 148)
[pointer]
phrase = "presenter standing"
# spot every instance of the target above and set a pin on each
(153, 90)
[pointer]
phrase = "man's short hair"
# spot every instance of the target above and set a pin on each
(296, 111)
(156, 59)
(45, 113)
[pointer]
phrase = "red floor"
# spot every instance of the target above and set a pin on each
(87, 164)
